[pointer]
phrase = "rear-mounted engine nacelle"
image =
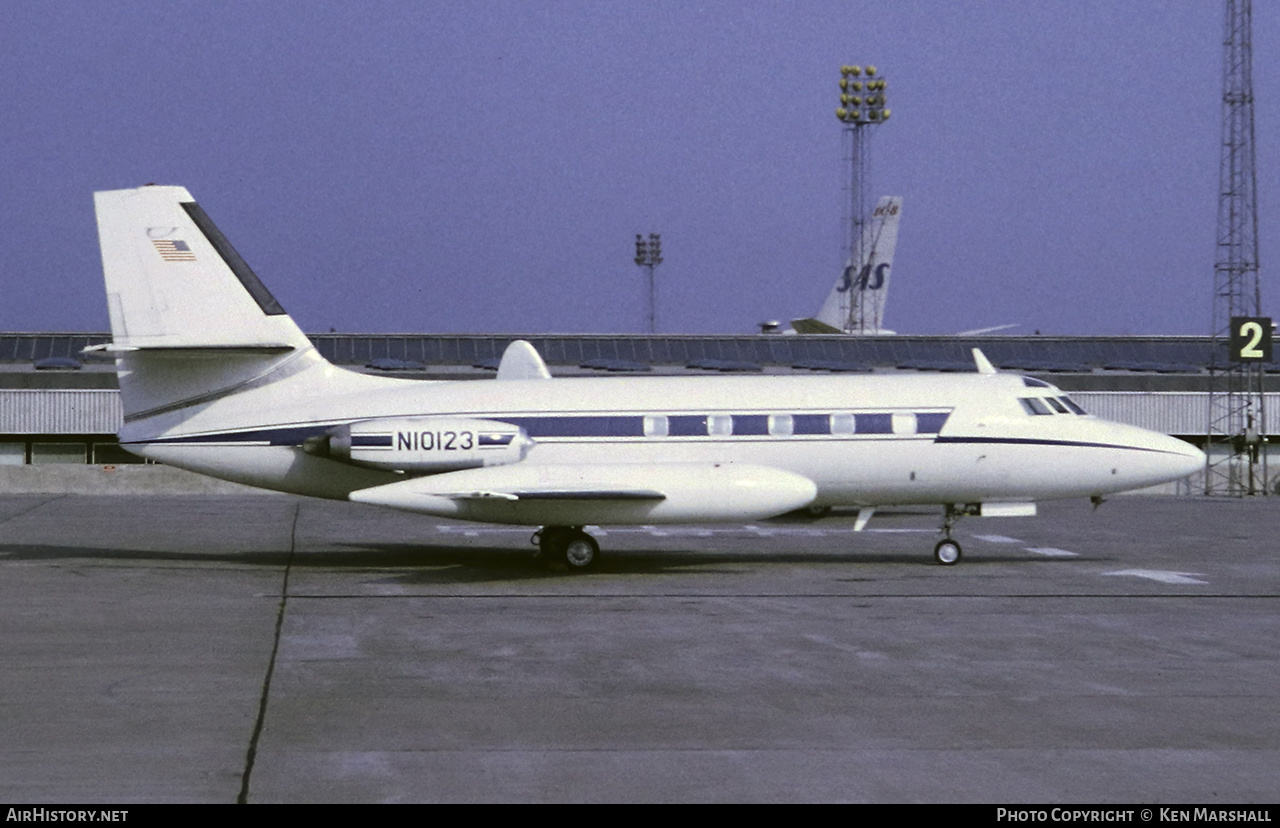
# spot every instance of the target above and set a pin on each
(428, 444)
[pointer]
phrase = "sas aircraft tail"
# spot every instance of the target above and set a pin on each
(856, 302)
(191, 323)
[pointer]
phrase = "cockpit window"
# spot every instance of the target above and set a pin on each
(1034, 405)
(1069, 404)
(1032, 382)
(1048, 405)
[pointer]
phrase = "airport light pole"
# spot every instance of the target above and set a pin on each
(862, 106)
(649, 255)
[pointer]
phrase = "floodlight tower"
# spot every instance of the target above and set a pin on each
(1237, 462)
(649, 255)
(862, 107)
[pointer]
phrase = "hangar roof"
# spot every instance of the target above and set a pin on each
(622, 352)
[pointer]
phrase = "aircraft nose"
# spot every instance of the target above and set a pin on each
(1178, 458)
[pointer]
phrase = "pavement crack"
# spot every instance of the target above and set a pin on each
(251, 756)
(32, 508)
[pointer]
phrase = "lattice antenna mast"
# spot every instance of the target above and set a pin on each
(1236, 464)
(862, 107)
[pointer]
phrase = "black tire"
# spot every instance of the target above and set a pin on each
(947, 552)
(580, 552)
(573, 548)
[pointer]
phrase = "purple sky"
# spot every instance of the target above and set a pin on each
(484, 166)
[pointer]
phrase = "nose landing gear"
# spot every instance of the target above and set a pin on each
(948, 551)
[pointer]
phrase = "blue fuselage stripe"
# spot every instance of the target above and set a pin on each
(599, 426)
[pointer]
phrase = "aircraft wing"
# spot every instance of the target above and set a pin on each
(621, 493)
(562, 494)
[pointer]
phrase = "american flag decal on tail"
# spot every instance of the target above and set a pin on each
(174, 251)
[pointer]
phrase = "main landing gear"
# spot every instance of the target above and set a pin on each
(568, 545)
(948, 552)
(579, 552)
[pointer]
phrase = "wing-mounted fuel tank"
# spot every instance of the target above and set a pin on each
(425, 445)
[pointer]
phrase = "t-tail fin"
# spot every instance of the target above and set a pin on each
(856, 302)
(190, 321)
(174, 281)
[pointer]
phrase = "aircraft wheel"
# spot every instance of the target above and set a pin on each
(947, 552)
(572, 547)
(581, 552)
(817, 511)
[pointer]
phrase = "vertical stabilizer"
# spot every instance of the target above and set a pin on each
(173, 280)
(190, 321)
(856, 302)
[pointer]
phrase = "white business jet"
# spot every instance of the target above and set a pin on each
(216, 378)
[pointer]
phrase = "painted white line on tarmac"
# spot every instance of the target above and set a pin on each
(997, 539)
(471, 531)
(1163, 576)
(1052, 552)
(902, 531)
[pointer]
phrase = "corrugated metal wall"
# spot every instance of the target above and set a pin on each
(1172, 412)
(60, 412)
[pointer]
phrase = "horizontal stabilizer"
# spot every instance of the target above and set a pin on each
(620, 493)
(193, 350)
(813, 326)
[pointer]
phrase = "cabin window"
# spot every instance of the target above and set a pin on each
(655, 426)
(904, 422)
(719, 425)
(781, 425)
(841, 423)
(1034, 406)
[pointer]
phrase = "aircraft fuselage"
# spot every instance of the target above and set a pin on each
(861, 440)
